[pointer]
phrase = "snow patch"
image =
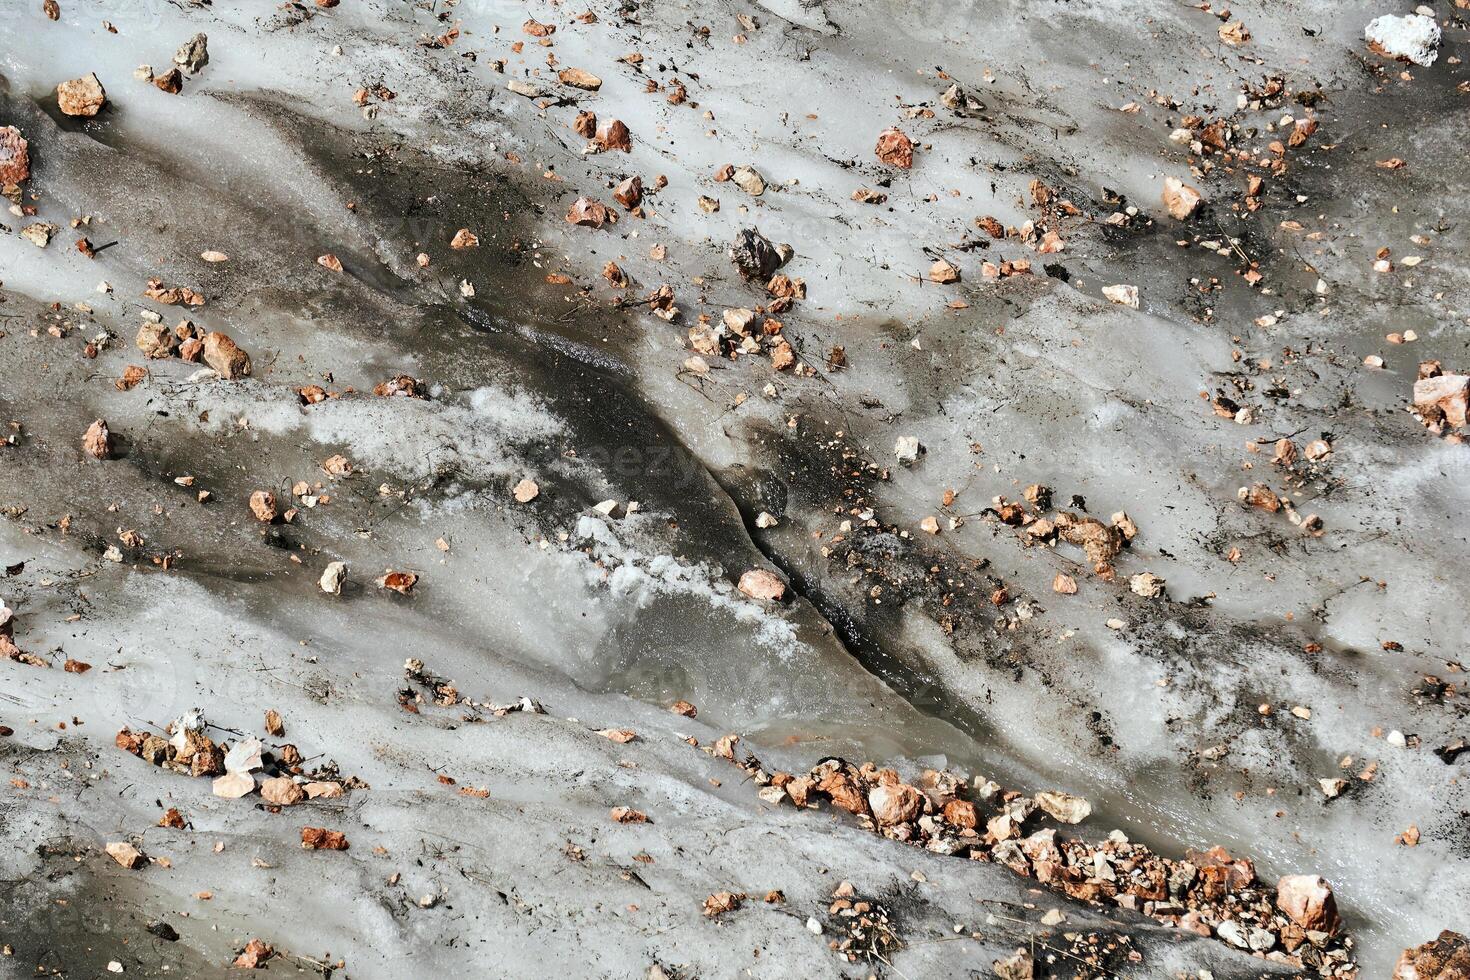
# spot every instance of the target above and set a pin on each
(1413, 36)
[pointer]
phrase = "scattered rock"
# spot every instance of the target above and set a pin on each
(761, 584)
(400, 582)
(612, 134)
(943, 272)
(629, 192)
(577, 78)
(333, 577)
(1018, 966)
(171, 81)
(1122, 295)
(755, 257)
(263, 506)
(193, 54)
(590, 212)
(1445, 958)
(1443, 396)
(1146, 584)
(526, 491)
(1180, 199)
(895, 148)
(1064, 808)
(907, 449)
(1308, 901)
(282, 791)
(254, 955)
(749, 180)
(1234, 33)
(156, 341)
(15, 156)
(81, 96)
(126, 855)
(227, 358)
(322, 839)
(401, 386)
(895, 803)
(97, 441)
(722, 902)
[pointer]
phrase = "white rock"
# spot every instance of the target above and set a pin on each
(1064, 807)
(244, 756)
(1122, 295)
(1414, 36)
(332, 578)
(907, 449)
(233, 785)
(1233, 933)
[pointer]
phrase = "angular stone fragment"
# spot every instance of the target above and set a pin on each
(629, 192)
(754, 256)
(1443, 396)
(333, 577)
(401, 386)
(907, 449)
(193, 54)
(400, 582)
(1307, 900)
(15, 156)
(1063, 807)
(843, 792)
(895, 148)
(156, 341)
(589, 213)
(1445, 958)
(256, 951)
(97, 441)
(1020, 965)
(81, 96)
(263, 506)
(761, 584)
(227, 358)
(749, 180)
(895, 803)
(322, 839)
(171, 81)
(577, 78)
(282, 791)
(126, 855)
(943, 272)
(1180, 199)
(612, 134)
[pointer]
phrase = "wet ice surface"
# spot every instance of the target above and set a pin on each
(608, 620)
